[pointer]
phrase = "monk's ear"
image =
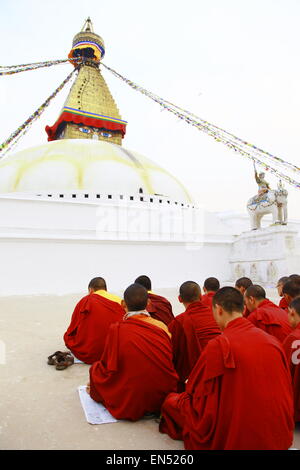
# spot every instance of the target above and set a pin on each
(124, 305)
(180, 299)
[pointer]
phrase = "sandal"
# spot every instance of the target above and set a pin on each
(52, 359)
(63, 361)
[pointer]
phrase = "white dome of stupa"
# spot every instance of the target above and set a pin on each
(86, 165)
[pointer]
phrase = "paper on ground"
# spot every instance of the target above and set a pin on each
(95, 413)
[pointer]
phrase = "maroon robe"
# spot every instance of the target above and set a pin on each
(283, 304)
(135, 373)
(91, 319)
(238, 396)
(160, 308)
(291, 345)
(206, 299)
(191, 331)
(272, 319)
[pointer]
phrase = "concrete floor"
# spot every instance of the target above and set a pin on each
(39, 406)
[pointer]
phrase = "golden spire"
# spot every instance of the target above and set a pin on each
(90, 111)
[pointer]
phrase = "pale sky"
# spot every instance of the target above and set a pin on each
(234, 63)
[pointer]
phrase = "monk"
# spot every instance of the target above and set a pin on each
(191, 330)
(158, 307)
(239, 394)
(283, 303)
(291, 345)
(242, 285)
(136, 371)
(91, 319)
(291, 290)
(265, 314)
(210, 287)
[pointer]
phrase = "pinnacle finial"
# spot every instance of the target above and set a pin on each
(88, 25)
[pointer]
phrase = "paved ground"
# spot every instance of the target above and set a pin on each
(39, 406)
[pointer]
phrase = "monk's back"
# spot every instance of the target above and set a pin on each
(136, 371)
(272, 319)
(246, 382)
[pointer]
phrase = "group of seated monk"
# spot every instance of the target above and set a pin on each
(224, 374)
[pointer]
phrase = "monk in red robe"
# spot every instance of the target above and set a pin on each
(265, 314)
(191, 330)
(291, 345)
(91, 319)
(283, 303)
(136, 372)
(239, 394)
(242, 285)
(291, 290)
(210, 287)
(158, 307)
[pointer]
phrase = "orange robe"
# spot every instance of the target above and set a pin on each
(191, 331)
(272, 319)
(136, 372)
(91, 319)
(160, 308)
(291, 345)
(238, 396)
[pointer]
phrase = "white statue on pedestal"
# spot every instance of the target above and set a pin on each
(267, 201)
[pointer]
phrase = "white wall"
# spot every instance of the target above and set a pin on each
(49, 247)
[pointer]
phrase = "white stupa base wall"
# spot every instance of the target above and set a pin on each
(265, 255)
(55, 246)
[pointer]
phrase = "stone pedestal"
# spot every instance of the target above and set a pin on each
(265, 255)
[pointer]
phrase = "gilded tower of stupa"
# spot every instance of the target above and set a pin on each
(90, 111)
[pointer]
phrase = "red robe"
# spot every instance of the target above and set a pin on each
(292, 350)
(135, 373)
(206, 299)
(238, 396)
(160, 308)
(191, 331)
(283, 304)
(89, 325)
(272, 319)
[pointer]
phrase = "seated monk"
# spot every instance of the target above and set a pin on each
(239, 393)
(91, 320)
(158, 307)
(191, 330)
(242, 284)
(265, 314)
(291, 290)
(283, 303)
(136, 371)
(210, 287)
(291, 345)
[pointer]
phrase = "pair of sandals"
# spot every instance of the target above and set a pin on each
(61, 360)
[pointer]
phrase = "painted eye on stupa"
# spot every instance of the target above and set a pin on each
(83, 129)
(106, 134)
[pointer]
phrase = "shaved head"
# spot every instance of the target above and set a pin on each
(230, 299)
(256, 291)
(190, 292)
(243, 282)
(136, 297)
(144, 281)
(211, 284)
(97, 283)
(291, 288)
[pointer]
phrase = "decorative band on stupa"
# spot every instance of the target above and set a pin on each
(78, 116)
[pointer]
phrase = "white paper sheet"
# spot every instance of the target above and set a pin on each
(95, 413)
